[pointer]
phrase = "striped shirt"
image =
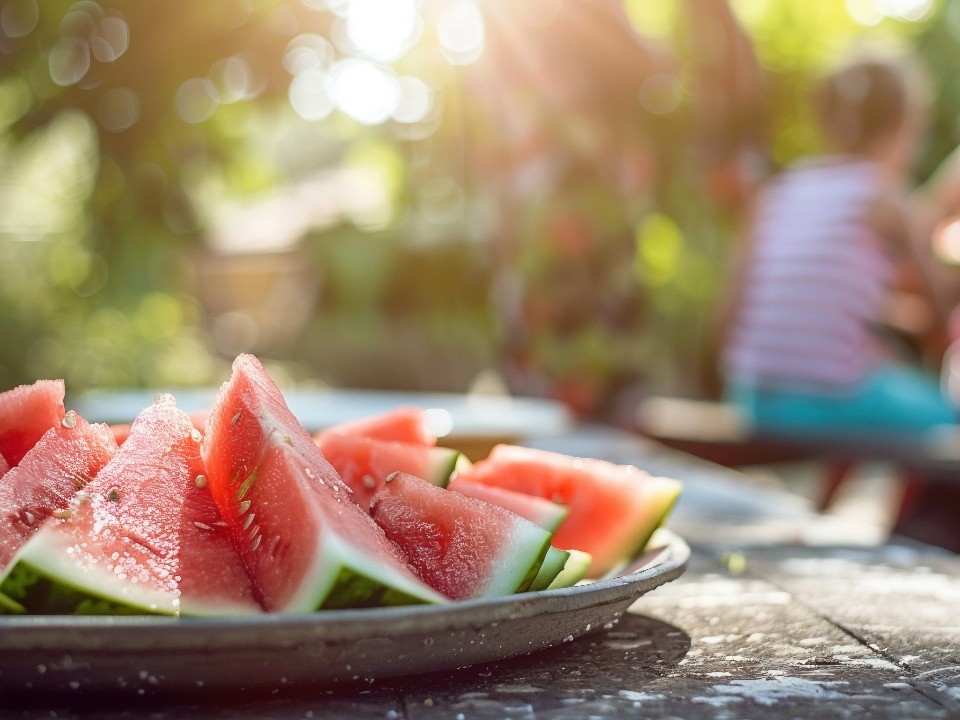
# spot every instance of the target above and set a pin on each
(816, 283)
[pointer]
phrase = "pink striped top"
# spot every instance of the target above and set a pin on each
(816, 283)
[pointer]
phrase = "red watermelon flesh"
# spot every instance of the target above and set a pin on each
(3, 466)
(26, 413)
(461, 547)
(545, 513)
(305, 543)
(403, 424)
(144, 536)
(364, 463)
(121, 431)
(614, 509)
(65, 459)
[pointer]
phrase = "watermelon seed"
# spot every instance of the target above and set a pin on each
(369, 482)
(69, 420)
(255, 531)
(244, 506)
(256, 542)
(62, 514)
(220, 523)
(248, 483)
(28, 518)
(390, 477)
(236, 417)
(201, 481)
(288, 440)
(248, 521)
(195, 434)
(203, 526)
(113, 494)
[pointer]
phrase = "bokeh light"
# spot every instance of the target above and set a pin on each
(196, 100)
(308, 52)
(69, 61)
(946, 241)
(310, 94)
(118, 109)
(415, 101)
(382, 29)
(461, 32)
(366, 91)
(18, 17)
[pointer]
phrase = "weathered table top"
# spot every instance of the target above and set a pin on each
(778, 616)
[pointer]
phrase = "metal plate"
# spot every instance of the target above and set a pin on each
(155, 656)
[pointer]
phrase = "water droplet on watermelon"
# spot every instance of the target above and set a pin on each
(69, 420)
(195, 434)
(201, 481)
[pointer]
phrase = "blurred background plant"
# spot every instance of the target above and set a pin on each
(436, 194)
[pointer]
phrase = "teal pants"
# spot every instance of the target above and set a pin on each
(894, 399)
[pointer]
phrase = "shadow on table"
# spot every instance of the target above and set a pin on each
(637, 650)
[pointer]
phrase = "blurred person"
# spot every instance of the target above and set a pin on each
(817, 306)
(581, 157)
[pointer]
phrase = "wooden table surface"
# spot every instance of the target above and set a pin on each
(779, 615)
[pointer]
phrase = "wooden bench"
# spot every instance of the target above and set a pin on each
(718, 432)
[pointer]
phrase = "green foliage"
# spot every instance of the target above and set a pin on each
(115, 187)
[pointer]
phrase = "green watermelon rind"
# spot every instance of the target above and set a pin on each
(520, 561)
(573, 571)
(441, 465)
(553, 564)
(344, 578)
(10, 607)
(667, 497)
(44, 580)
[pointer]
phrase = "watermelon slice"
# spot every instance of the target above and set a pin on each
(461, 547)
(305, 543)
(64, 460)
(545, 513)
(403, 424)
(143, 537)
(614, 509)
(364, 463)
(574, 570)
(26, 413)
(552, 566)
